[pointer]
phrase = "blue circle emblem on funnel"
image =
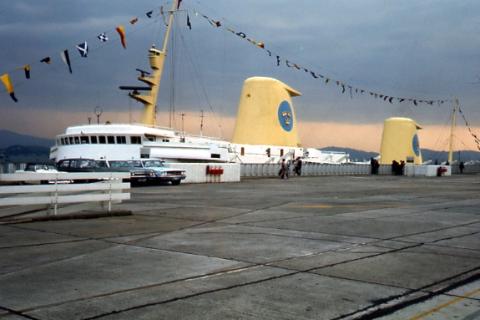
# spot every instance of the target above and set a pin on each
(415, 145)
(285, 116)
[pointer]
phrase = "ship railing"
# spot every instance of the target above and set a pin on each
(49, 191)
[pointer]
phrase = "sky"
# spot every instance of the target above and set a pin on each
(426, 49)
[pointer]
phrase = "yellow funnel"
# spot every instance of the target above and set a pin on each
(400, 141)
(265, 114)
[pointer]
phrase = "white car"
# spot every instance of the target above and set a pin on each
(41, 168)
(163, 172)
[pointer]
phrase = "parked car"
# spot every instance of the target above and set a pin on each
(163, 172)
(141, 171)
(41, 168)
(158, 171)
(137, 175)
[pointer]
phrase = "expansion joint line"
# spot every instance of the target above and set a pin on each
(18, 313)
(411, 297)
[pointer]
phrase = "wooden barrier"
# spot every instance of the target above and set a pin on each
(62, 188)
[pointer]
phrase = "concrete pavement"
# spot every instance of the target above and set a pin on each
(332, 247)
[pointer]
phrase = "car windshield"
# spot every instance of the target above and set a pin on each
(82, 163)
(120, 164)
(135, 163)
(35, 167)
(154, 163)
(126, 164)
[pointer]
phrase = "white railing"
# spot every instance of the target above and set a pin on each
(63, 188)
(308, 169)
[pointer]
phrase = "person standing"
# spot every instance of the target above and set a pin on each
(298, 166)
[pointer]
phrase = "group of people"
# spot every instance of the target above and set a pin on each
(397, 168)
(285, 168)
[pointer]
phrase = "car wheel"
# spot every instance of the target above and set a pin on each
(175, 182)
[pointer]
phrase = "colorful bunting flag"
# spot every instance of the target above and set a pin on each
(66, 58)
(83, 49)
(26, 69)
(149, 14)
(133, 21)
(103, 37)
(121, 32)
(46, 60)
(8, 85)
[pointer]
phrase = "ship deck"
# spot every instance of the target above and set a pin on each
(304, 248)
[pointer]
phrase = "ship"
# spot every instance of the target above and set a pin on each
(266, 129)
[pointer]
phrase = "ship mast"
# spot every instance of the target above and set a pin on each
(452, 129)
(157, 59)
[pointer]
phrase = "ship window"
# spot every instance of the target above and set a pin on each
(65, 140)
(165, 140)
(84, 140)
(62, 140)
(77, 140)
(121, 140)
(101, 139)
(70, 139)
(215, 155)
(93, 139)
(281, 152)
(242, 151)
(135, 140)
(150, 137)
(111, 139)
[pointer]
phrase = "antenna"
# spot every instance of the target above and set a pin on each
(98, 113)
(183, 128)
(201, 123)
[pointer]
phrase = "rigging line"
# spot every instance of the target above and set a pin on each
(270, 45)
(444, 125)
(202, 84)
(343, 83)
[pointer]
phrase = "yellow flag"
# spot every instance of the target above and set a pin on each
(8, 85)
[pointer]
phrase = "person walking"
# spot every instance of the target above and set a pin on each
(283, 173)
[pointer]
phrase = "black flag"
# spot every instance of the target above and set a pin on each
(189, 25)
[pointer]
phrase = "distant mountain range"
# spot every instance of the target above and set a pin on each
(427, 154)
(10, 138)
(15, 147)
